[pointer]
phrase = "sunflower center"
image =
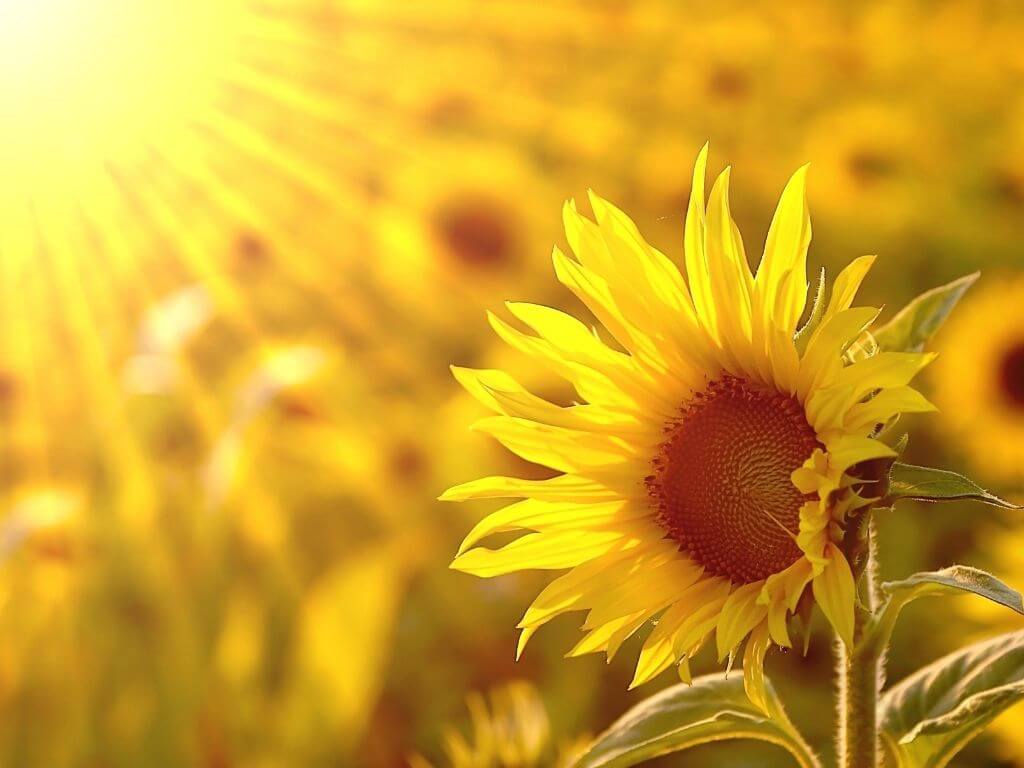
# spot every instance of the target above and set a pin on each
(721, 480)
(1011, 375)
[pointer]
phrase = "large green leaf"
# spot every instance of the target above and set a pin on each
(921, 318)
(956, 579)
(713, 708)
(907, 481)
(930, 716)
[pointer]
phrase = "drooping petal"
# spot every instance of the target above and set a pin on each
(753, 666)
(740, 614)
(835, 592)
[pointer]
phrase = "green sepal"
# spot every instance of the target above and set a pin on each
(929, 717)
(908, 481)
(917, 322)
(713, 708)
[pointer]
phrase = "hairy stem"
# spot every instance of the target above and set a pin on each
(860, 674)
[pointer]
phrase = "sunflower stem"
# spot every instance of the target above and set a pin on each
(860, 673)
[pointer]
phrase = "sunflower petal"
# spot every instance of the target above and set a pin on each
(785, 250)
(740, 614)
(753, 667)
(573, 487)
(546, 551)
(536, 515)
(835, 592)
(847, 284)
(695, 255)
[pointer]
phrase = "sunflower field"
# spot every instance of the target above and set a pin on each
(253, 254)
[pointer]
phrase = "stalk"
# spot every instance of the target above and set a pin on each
(859, 676)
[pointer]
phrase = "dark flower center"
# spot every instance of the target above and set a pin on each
(1011, 375)
(477, 233)
(722, 484)
(869, 166)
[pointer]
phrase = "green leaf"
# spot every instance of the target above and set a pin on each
(922, 317)
(957, 578)
(907, 481)
(713, 708)
(929, 717)
(954, 580)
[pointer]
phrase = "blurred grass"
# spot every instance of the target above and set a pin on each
(225, 409)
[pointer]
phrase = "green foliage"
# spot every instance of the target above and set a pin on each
(957, 578)
(713, 708)
(922, 317)
(949, 581)
(930, 716)
(907, 481)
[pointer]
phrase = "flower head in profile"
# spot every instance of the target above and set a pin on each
(707, 474)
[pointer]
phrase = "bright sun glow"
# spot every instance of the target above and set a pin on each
(84, 80)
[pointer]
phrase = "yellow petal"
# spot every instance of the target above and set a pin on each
(537, 515)
(549, 551)
(706, 599)
(847, 284)
(695, 256)
(847, 450)
(753, 667)
(822, 360)
(785, 250)
(781, 593)
(573, 487)
(731, 282)
(834, 591)
(740, 614)
(567, 450)
(657, 655)
(883, 406)
(608, 636)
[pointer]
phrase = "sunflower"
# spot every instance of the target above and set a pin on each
(873, 159)
(981, 379)
(705, 477)
(512, 732)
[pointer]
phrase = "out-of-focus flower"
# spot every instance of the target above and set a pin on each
(872, 162)
(513, 732)
(710, 368)
(457, 218)
(979, 379)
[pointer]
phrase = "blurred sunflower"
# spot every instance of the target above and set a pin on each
(979, 381)
(513, 732)
(873, 159)
(457, 220)
(707, 475)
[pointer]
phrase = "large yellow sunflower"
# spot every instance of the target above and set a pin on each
(707, 473)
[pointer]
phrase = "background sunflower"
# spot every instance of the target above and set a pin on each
(241, 241)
